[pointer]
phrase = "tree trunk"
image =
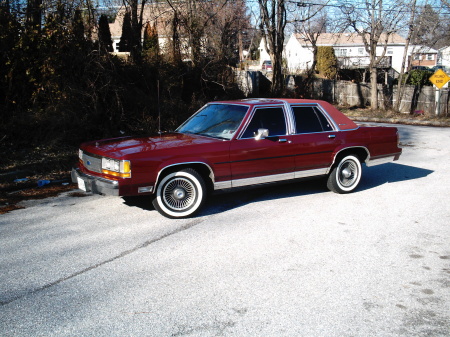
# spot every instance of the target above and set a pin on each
(373, 88)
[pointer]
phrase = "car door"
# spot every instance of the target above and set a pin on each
(314, 141)
(265, 160)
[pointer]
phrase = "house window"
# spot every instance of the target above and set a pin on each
(342, 52)
(360, 51)
(390, 51)
(430, 57)
(417, 57)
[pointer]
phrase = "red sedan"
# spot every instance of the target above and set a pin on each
(233, 144)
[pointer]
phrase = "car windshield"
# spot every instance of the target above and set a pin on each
(215, 120)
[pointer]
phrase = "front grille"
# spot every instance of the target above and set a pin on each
(92, 163)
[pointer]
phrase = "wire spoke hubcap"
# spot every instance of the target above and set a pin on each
(179, 194)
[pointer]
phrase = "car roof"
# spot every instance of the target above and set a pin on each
(340, 119)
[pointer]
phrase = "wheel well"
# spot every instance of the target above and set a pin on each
(360, 152)
(203, 169)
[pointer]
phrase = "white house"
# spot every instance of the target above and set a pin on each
(444, 57)
(263, 54)
(298, 53)
(348, 47)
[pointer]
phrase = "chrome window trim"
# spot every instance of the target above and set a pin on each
(318, 107)
(252, 113)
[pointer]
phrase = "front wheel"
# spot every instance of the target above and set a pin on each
(345, 176)
(180, 194)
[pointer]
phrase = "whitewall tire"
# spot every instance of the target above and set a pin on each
(180, 194)
(345, 176)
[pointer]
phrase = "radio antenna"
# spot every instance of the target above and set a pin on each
(159, 113)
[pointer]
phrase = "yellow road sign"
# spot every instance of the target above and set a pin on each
(439, 78)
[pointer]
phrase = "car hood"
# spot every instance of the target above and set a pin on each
(122, 147)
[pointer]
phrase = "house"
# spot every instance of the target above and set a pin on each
(349, 49)
(423, 56)
(444, 58)
(152, 13)
(263, 54)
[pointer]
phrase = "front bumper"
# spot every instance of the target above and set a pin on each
(94, 184)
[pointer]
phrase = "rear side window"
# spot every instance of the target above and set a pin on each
(267, 118)
(309, 119)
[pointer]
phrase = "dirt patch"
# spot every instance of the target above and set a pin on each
(389, 116)
(9, 200)
(24, 169)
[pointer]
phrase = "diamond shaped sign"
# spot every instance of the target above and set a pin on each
(439, 78)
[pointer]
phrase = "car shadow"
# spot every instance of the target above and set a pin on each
(390, 173)
(372, 177)
(141, 201)
(224, 201)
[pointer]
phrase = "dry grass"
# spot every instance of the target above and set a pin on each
(392, 116)
(9, 201)
(39, 163)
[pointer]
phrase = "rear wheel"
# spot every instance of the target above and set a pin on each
(345, 176)
(180, 194)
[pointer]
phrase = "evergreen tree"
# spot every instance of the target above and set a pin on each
(104, 35)
(78, 29)
(151, 43)
(327, 63)
(126, 38)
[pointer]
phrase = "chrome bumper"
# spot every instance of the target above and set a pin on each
(94, 184)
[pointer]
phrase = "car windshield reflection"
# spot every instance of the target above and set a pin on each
(215, 120)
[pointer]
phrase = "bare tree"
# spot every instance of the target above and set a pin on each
(374, 22)
(274, 16)
(311, 29)
(136, 10)
(412, 30)
(194, 17)
(273, 23)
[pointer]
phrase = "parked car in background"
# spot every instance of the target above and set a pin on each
(435, 68)
(231, 144)
(420, 68)
(267, 65)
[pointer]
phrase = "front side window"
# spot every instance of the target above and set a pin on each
(271, 119)
(309, 119)
(215, 120)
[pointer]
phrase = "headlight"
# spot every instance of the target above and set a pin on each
(117, 168)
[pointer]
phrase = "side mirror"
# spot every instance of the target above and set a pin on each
(261, 134)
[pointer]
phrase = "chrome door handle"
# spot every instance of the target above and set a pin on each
(282, 140)
(331, 136)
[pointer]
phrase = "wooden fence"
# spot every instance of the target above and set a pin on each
(347, 93)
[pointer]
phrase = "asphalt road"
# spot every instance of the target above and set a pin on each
(290, 260)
